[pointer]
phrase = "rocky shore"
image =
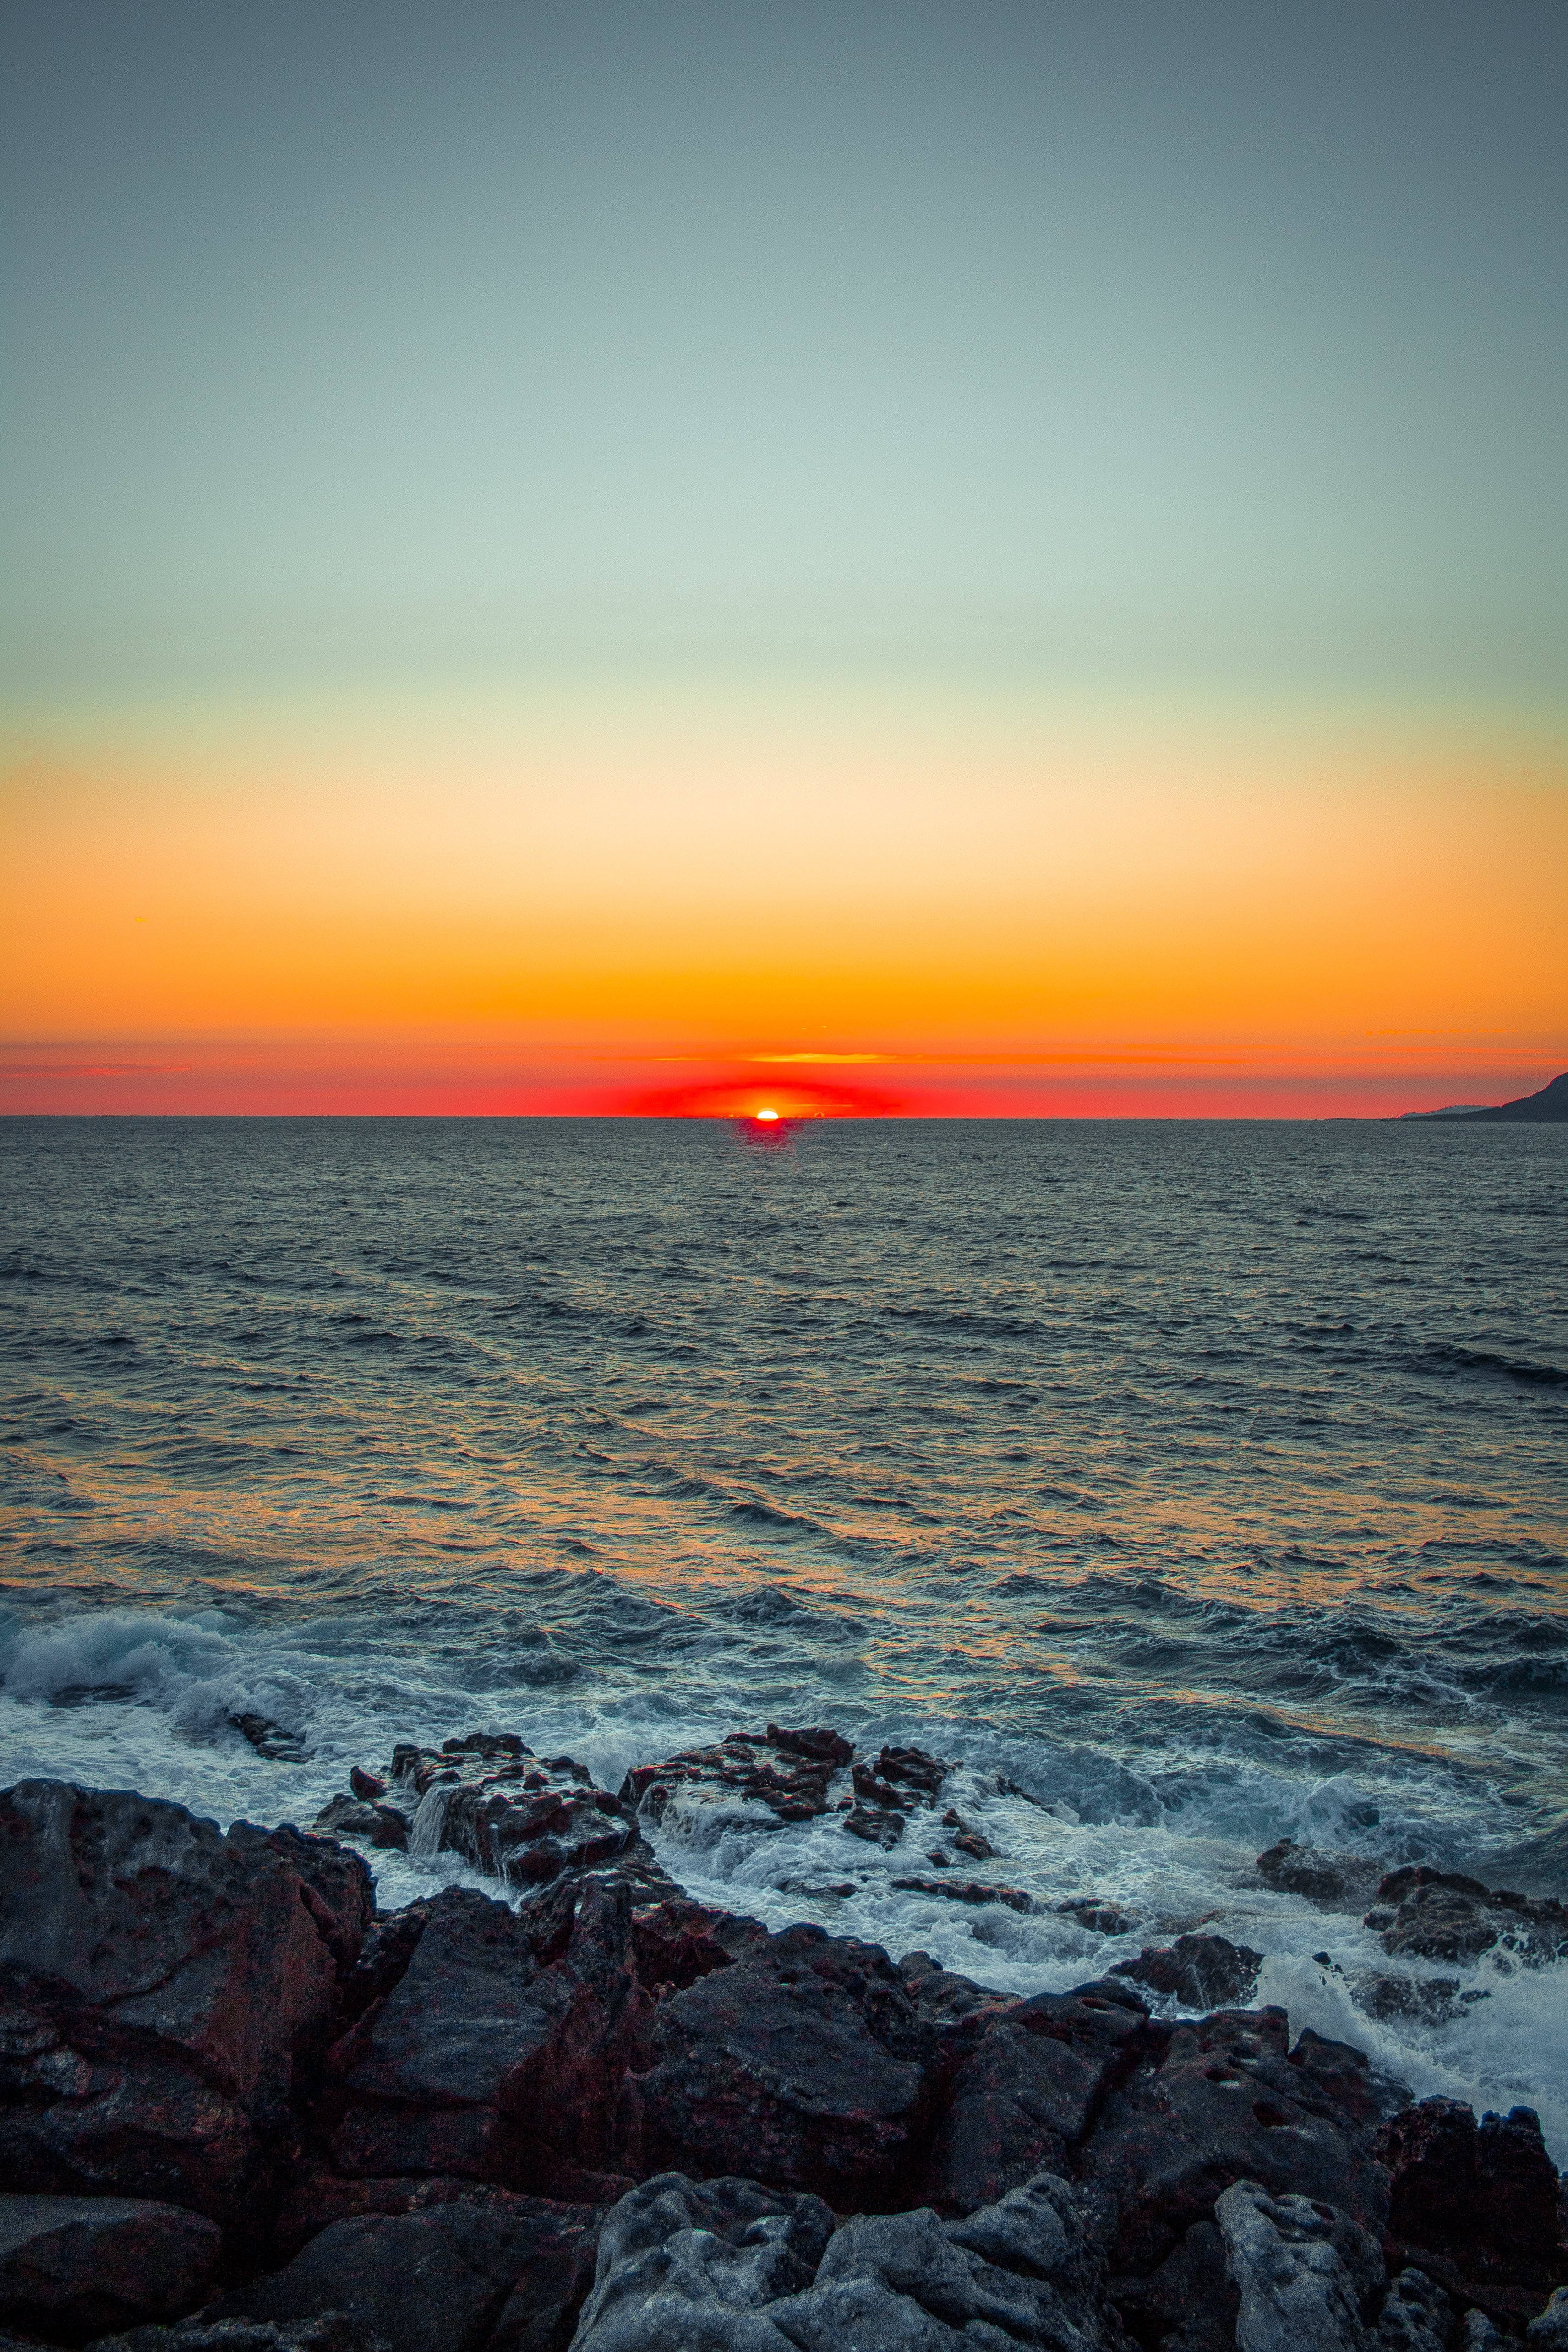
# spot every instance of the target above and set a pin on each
(243, 2110)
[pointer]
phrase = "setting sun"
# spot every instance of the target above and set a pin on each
(767, 1114)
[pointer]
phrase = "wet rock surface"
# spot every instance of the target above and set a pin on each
(1340, 1882)
(788, 1771)
(444, 2109)
(1436, 1915)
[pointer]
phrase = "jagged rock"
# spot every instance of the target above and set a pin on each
(437, 2281)
(1189, 2302)
(1200, 1971)
(1548, 2331)
(488, 1798)
(499, 2051)
(875, 1826)
(1340, 1882)
(77, 2266)
(379, 1826)
(333, 2332)
(1344, 2077)
(805, 2060)
(967, 1890)
(1221, 2101)
(693, 2264)
(678, 1942)
(161, 1984)
(270, 1738)
(955, 2007)
(1019, 2102)
(314, 2196)
(1430, 2001)
(370, 1786)
(1477, 2206)
(787, 1771)
(1435, 1915)
(676, 2275)
(1305, 2273)
(901, 1779)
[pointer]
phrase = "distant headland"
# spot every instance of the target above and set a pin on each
(1551, 1103)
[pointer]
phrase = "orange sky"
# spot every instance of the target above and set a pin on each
(606, 902)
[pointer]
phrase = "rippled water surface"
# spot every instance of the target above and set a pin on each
(1207, 1480)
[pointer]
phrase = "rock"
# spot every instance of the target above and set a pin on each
(270, 1738)
(161, 1982)
(688, 2263)
(1344, 2077)
(379, 1826)
(1189, 2302)
(1548, 2331)
(805, 2061)
(369, 1786)
(79, 2266)
(1200, 1971)
(787, 1771)
(967, 1890)
(436, 2281)
(334, 2332)
(1102, 1918)
(1475, 2206)
(1340, 1882)
(1415, 2316)
(1018, 2103)
(1304, 2271)
(488, 1798)
(1222, 2103)
(877, 1827)
(678, 1942)
(681, 2272)
(499, 2051)
(1430, 2001)
(314, 2196)
(1443, 1916)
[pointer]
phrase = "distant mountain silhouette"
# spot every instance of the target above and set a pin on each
(1552, 1102)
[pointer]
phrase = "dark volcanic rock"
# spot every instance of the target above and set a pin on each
(1223, 2102)
(438, 2280)
(1443, 1916)
(1305, 2272)
(1200, 1971)
(161, 1981)
(499, 2051)
(805, 2061)
(967, 1890)
(875, 1826)
(1340, 1882)
(677, 1943)
(77, 2266)
(787, 1771)
(1477, 2206)
(486, 1797)
(1028, 2078)
(333, 2333)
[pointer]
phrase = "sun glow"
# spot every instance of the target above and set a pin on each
(767, 1114)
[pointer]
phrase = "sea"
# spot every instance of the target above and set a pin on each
(1184, 1484)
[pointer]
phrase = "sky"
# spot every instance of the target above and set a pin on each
(882, 558)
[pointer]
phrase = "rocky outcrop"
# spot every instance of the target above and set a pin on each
(1340, 1882)
(163, 1982)
(79, 2266)
(1476, 2206)
(486, 1797)
(724, 2268)
(1436, 1914)
(789, 1772)
(1310, 2279)
(1199, 1971)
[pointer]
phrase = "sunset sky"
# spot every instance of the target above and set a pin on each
(857, 557)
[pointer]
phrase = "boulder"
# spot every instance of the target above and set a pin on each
(1548, 2331)
(789, 1772)
(692, 2264)
(499, 2051)
(677, 1943)
(1221, 2103)
(378, 1824)
(161, 1984)
(1200, 1971)
(964, 1890)
(441, 2280)
(79, 2266)
(804, 2062)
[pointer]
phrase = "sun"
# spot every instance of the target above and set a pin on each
(767, 1114)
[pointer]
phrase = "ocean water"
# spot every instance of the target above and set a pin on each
(1206, 1481)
